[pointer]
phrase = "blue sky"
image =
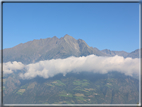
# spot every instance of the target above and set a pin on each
(113, 26)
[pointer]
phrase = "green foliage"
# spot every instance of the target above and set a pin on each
(58, 83)
(50, 85)
(78, 88)
(65, 94)
(85, 84)
(20, 93)
(79, 98)
(79, 82)
(23, 86)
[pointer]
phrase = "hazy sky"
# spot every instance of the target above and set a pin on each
(113, 26)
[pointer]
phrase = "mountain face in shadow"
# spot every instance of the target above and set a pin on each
(50, 48)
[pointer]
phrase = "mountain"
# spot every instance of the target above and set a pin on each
(72, 88)
(50, 48)
(113, 53)
(134, 54)
(53, 48)
(82, 88)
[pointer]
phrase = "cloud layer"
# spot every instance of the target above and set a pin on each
(10, 67)
(91, 63)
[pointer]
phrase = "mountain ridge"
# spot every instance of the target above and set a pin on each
(49, 48)
(53, 48)
(133, 54)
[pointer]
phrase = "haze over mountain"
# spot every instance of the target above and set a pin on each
(53, 48)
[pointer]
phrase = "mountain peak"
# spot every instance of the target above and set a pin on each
(67, 36)
(54, 37)
(105, 50)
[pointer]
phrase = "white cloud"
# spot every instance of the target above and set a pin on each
(91, 63)
(9, 67)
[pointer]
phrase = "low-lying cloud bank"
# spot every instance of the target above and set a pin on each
(91, 63)
(10, 67)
